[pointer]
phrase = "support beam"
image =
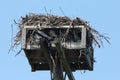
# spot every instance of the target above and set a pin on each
(57, 69)
(46, 53)
(64, 61)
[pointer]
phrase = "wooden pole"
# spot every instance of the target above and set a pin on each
(64, 61)
(57, 69)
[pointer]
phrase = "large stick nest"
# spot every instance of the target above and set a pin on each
(53, 20)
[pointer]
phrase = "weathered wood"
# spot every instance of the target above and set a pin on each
(57, 69)
(23, 38)
(47, 55)
(64, 61)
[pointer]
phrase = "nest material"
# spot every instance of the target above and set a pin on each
(53, 20)
(49, 20)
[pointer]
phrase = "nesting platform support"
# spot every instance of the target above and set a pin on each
(58, 49)
(64, 61)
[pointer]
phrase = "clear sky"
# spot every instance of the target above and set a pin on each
(103, 15)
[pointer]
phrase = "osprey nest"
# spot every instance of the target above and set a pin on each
(53, 20)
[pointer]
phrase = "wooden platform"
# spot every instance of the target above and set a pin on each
(40, 48)
(76, 60)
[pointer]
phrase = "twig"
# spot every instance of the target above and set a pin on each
(18, 52)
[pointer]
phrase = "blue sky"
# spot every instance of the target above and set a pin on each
(103, 15)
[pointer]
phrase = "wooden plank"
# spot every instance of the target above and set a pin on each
(83, 39)
(23, 38)
(41, 27)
